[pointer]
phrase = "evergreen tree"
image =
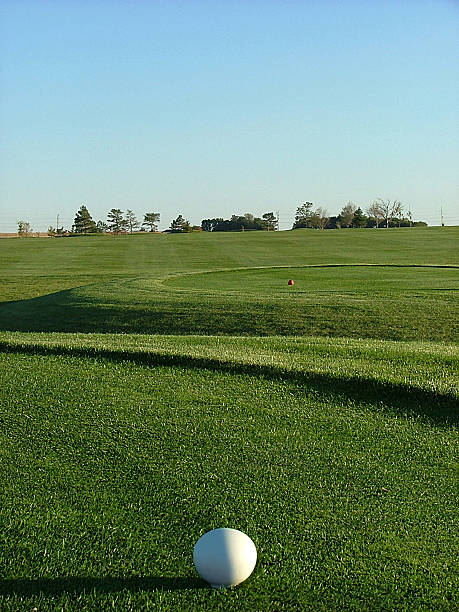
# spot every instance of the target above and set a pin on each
(180, 225)
(131, 221)
(271, 221)
(83, 223)
(303, 215)
(151, 220)
(116, 221)
(359, 220)
(102, 227)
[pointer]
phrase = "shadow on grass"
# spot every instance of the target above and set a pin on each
(126, 309)
(23, 587)
(437, 408)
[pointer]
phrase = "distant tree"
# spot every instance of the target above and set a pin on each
(303, 215)
(333, 223)
(131, 221)
(375, 212)
(208, 225)
(151, 220)
(347, 214)
(24, 228)
(272, 222)
(180, 225)
(83, 223)
(220, 225)
(102, 227)
(116, 221)
(51, 231)
(319, 218)
(359, 219)
(389, 209)
(397, 212)
(238, 223)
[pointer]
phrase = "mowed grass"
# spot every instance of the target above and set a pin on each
(392, 285)
(119, 452)
(330, 438)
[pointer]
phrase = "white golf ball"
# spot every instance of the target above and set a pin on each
(224, 557)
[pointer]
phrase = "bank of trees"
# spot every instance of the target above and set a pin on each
(237, 223)
(380, 213)
(117, 222)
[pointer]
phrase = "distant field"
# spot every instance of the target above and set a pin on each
(321, 419)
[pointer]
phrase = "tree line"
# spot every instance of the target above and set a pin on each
(117, 222)
(380, 213)
(267, 222)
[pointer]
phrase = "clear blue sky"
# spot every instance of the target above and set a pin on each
(214, 107)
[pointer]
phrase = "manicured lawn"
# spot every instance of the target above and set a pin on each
(115, 461)
(155, 387)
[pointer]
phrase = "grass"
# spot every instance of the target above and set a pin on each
(159, 285)
(336, 454)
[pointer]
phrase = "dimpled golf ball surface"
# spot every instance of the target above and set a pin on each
(224, 557)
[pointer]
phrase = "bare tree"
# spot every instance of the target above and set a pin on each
(319, 218)
(375, 212)
(389, 209)
(397, 211)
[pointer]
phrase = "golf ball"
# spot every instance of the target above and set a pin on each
(224, 557)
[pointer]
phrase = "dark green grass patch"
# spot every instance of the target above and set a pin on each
(113, 466)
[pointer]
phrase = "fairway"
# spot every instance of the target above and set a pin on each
(153, 388)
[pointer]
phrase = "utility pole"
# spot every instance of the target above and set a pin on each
(57, 223)
(441, 216)
(278, 220)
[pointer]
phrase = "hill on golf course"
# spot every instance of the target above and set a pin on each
(154, 387)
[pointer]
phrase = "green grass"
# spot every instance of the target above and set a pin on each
(159, 285)
(334, 448)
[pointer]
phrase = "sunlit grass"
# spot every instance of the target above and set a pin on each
(115, 460)
(321, 419)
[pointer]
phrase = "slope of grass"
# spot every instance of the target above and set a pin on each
(250, 308)
(118, 452)
(154, 284)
